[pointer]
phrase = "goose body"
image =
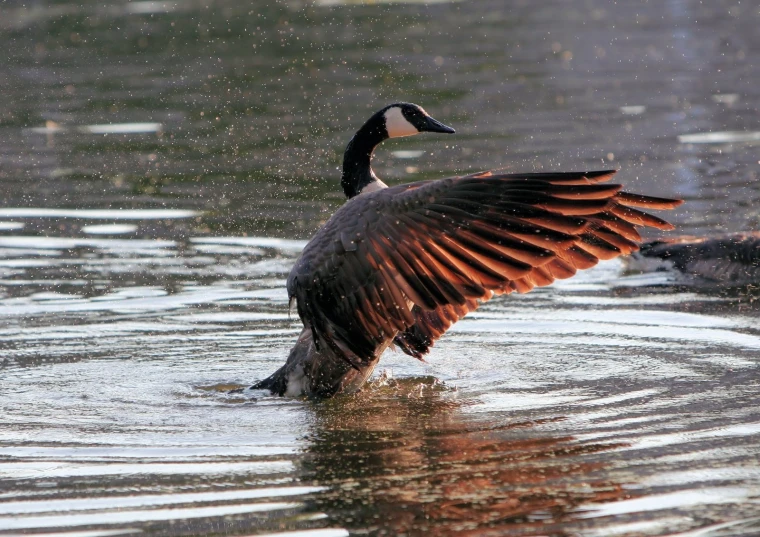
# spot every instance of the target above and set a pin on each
(728, 259)
(399, 265)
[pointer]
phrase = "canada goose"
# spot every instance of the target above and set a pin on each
(727, 259)
(402, 264)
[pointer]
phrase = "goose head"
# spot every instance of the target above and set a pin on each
(393, 121)
(407, 119)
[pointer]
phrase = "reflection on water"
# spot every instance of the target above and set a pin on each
(163, 163)
(409, 463)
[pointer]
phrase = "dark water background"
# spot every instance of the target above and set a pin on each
(161, 164)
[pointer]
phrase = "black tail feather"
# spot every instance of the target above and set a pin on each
(276, 383)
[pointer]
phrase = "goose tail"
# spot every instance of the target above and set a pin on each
(277, 383)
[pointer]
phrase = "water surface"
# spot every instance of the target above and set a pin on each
(163, 163)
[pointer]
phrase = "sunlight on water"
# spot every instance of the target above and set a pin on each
(115, 128)
(407, 154)
(327, 532)
(633, 110)
(109, 229)
(19, 508)
(96, 533)
(371, 2)
(97, 214)
(719, 137)
(149, 6)
(670, 501)
(131, 517)
(62, 243)
(58, 470)
(263, 242)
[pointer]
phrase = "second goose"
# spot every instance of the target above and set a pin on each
(399, 265)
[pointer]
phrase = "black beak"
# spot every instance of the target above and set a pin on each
(433, 125)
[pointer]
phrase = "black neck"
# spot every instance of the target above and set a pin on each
(357, 172)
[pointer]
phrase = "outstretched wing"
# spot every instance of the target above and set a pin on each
(413, 259)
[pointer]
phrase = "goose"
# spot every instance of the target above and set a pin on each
(399, 265)
(732, 259)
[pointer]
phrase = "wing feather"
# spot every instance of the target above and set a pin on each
(409, 261)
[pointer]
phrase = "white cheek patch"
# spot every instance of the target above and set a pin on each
(397, 125)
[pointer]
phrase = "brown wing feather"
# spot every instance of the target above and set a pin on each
(430, 325)
(409, 261)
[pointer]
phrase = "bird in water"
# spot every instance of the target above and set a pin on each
(399, 265)
(727, 260)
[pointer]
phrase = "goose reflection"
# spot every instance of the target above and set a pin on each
(406, 459)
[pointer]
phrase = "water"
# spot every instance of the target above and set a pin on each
(162, 164)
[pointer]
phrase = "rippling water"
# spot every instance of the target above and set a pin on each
(163, 163)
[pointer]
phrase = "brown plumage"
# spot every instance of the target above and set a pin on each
(447, 245)
(402, 264)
